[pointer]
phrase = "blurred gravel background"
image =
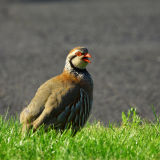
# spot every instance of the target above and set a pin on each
(122, 36)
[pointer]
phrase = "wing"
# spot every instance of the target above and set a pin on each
(65, 107)
(36, 106)
(75, 113)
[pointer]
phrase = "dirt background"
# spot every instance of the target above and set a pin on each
(122, 36)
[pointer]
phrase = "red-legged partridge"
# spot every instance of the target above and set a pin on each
(64, 100)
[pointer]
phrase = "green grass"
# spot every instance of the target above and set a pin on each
(133, 139)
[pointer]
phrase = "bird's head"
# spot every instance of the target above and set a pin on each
(78, 57)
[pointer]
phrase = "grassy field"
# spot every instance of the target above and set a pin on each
(133, 139)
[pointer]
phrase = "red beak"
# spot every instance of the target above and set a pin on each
(86, 56)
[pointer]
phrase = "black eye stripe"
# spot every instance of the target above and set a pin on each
(73, 57)
(71, 60)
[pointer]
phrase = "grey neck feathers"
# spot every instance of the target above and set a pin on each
(81, 73)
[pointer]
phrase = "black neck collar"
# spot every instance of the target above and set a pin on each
(75, 68)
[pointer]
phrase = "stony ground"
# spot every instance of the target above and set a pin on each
(122, 36)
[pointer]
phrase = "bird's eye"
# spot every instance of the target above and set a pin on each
(78, 53)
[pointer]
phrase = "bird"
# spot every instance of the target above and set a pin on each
(64, 101)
